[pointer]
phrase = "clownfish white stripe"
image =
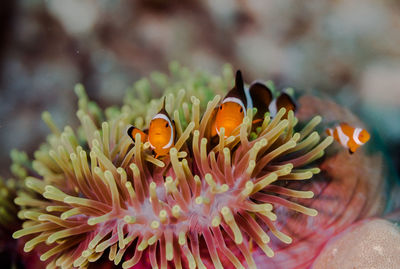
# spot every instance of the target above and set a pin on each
(344, 139)
(171, 139)
(249, 100)
(272, 108)
(356, 134)
(237, 101)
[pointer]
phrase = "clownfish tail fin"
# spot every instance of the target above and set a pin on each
(329, 131)
(130, 132)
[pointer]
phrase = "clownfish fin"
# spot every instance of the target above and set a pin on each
(163, 112)
(257, 121)
(132, 131)
(347, 128)
(351, 152)
(162, 109)
(163, 103)
(261, 97)
(286, 101)
(329, 131)
(238, 90)
(156, 155)
(239, 81)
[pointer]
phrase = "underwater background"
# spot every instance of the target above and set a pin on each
(344, 50)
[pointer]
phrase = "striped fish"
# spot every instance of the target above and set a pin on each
(349, 137)
(239, 99)
(160, 135)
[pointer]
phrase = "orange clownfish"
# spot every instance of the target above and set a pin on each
(160, 135)
(349, 137)
(233, 107)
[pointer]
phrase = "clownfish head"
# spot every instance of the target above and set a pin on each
(232, 110)
(364, 136)
(161, 134)
(230, 115)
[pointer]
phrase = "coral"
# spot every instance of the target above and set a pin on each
(98, 192)
(374, 244)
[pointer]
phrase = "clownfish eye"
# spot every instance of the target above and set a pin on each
(166, 125)
(241, 110)
(220, 107)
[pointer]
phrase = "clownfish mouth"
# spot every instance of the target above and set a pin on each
(230, 123)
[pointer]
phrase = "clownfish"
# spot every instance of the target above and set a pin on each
(233, 107)
(349, 137)
(160, 135)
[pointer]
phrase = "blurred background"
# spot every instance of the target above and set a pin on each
(346, 49)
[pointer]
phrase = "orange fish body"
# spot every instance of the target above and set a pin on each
(232, 109)
(160, 135)
(229, 116)
(239, 99)
(349, 137)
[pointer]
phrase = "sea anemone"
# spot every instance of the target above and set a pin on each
(20, 168)
(96, 191)
(9, 189)
(8, 209)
